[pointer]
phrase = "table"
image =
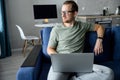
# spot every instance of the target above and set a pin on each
(47, 25)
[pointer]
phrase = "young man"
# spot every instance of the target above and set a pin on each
(69, 38)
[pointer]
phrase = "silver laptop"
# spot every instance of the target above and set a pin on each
(75, 62)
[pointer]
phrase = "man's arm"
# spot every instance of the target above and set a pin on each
(51, 50)
(100, 33)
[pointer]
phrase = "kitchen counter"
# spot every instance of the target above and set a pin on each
(113, 20)
(97, 16)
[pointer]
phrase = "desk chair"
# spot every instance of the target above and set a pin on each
(28, 40)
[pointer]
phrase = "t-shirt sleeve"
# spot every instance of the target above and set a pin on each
(53, 39)
(92, 27)
(89, 26)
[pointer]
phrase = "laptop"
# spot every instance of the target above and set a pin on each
(74, 62)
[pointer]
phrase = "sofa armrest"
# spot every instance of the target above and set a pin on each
(29, 68)
(31, 60)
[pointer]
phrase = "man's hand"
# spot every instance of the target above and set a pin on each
(98, 47)
(51, 50)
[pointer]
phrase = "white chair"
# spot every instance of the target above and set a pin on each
(28, 40)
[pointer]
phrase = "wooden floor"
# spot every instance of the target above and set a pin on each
(10, 65)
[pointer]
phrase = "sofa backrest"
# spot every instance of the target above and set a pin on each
(45, 34)
(116, 42)
(89, 44)
(90, 40)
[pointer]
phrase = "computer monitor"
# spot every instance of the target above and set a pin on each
(48, 11)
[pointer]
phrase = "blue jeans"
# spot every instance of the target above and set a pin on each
(99, 73)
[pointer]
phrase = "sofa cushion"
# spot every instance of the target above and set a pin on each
(44, 71)
(45, 34)
(116, 42)
(115, 66)
(90, 43)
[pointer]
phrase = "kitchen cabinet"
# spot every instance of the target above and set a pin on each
(113, 20)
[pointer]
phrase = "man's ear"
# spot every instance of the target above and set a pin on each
(75, 13)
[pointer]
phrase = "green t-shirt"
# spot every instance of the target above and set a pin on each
(69, 39)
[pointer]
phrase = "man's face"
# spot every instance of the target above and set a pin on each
(67, 14)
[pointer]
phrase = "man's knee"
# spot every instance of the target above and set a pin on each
(105, 71)
(57, 75)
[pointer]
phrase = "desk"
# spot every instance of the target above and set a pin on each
(47, 25)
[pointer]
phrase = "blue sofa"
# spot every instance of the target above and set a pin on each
(37, 64)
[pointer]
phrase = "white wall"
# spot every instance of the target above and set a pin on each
(86, 7)
(96, 6)
(21, 12)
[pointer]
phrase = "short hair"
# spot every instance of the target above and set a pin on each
(73, 3)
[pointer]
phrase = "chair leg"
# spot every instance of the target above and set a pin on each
(24, 47)
(39, 41)
(33, 42)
